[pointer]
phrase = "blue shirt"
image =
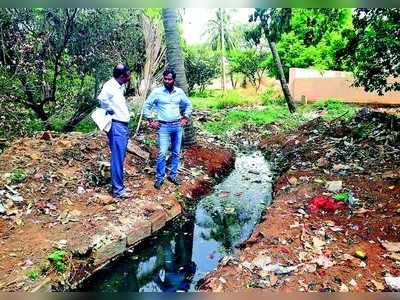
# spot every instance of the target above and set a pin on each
(167, 105)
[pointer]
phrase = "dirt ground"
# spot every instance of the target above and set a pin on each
(54, 191)
(300, 246)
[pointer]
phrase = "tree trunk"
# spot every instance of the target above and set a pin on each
(222, 50)
(175, 61)
(79, 115)
(282, 79)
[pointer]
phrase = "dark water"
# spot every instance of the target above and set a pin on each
(181, 254)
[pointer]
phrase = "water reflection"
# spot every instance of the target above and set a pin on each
(179, 256)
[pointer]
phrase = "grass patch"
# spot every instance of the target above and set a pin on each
(275, 111)
(334, 109)
(235, 119)
(217, 100)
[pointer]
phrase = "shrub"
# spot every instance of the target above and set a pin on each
(17, 176)
(57, 258)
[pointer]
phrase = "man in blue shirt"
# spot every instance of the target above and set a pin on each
(168, 101)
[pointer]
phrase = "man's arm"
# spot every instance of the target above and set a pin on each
(187, 105)
(147, 107)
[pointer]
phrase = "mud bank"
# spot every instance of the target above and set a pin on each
(54, 195)
(348, 247)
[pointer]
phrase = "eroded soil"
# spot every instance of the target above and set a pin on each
(351, 248)
(64, 203)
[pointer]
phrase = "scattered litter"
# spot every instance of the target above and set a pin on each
(393, 283)
(343, 288)
(378, 286)
(360, 254)
(334, 186)
(261, 261)
(323, 262)
(353, 283)
(325, 203)
(391, 246)
(279, 269)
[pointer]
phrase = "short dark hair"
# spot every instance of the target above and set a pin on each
(169, 71)
(120, 69)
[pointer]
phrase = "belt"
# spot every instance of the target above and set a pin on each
(168, 122)
(123, 123)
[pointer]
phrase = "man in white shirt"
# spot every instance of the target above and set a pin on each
(113, 101)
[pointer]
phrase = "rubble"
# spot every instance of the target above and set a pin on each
(352, 246)
(60, 199)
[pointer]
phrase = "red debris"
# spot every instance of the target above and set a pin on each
(326, 203)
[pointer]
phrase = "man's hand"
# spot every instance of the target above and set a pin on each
(184, 121)
(153, 124)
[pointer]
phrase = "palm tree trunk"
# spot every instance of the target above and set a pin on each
(222, 49)
(282, 79)
(176, 62)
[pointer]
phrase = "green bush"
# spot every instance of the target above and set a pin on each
(57, 258)
(203, 94)
(271, 96)
(33, 274)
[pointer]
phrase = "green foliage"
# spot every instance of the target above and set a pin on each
(274, 111)
(221, 21)
(17, 176)
(363, 130)
(237, 118)
(335, 109)
(271, 96)
(219, 100)
(57, 258)
(313, 39)
(54, 60)
(201, 66)
(33, 274)
(252, 63)
(373, 52)
(203, 94)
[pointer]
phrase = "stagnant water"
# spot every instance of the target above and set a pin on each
(183, 252)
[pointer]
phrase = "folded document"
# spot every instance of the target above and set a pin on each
(102, 119)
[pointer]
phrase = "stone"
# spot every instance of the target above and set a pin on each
(134, 148)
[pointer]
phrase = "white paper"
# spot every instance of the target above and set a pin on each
(102, 119)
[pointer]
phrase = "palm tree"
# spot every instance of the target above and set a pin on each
(176, 62)
(221, 37)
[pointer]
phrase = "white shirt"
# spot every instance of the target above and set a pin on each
(112, 97)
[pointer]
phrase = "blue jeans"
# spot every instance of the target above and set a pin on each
(168, 133)
(118, 142)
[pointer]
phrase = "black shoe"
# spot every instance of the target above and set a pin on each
(158, 184)
(175, 181)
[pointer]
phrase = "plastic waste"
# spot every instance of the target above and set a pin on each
(325, 203)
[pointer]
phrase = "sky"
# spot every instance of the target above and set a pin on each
(195, 21)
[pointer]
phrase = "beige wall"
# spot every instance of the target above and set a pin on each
(316, 85)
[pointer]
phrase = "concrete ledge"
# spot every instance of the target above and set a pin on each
(138, 233)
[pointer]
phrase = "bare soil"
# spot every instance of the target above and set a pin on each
(341, 250)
